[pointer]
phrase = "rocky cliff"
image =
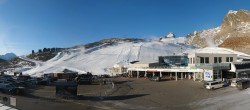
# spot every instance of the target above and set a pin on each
(234, 33)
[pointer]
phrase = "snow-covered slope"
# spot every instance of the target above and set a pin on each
(98, 59)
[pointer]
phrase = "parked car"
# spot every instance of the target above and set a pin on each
(11, 89)
(105, 76)
(155, 78)
(84, 78)
(84, 81)
(214, 84)
(44, 81)
(243, 84)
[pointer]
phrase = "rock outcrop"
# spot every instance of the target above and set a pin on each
(233, 33)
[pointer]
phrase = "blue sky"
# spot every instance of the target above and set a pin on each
(27, 25)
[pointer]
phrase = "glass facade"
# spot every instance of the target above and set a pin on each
(173, 60)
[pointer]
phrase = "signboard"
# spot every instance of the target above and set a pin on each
(208, 75)
(12, 101)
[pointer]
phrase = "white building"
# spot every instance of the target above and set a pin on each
(199, 66)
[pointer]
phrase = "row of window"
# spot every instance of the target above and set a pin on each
(206, 60)
(216, 59)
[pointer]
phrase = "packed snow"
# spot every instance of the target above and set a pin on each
(232, 12)
(98, 60)
(216, 50)
(170, 35)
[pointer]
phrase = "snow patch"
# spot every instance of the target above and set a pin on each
(232, 12)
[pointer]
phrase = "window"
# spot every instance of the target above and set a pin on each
(201, 59)
(220, 60)
(227, 59)
(215, 59)
(231, 59)
(193, 61)
(206, 59)
(214, 83)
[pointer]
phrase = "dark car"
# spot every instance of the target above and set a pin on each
(243, 84)
(155, 78)
(84, 79)
(11, 89)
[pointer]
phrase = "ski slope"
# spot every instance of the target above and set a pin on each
(98, 59)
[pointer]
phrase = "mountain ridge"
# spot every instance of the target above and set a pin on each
(236, 24)
(8, 56)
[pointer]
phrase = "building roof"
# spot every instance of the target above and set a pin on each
(215, 50)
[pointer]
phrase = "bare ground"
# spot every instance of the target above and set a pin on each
(126, 94)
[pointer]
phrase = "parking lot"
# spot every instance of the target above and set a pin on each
(128, 93)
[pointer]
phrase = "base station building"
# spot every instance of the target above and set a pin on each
(196, 66)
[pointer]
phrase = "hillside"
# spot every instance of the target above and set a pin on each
(233, 33)
(45, 54)
(99, 58)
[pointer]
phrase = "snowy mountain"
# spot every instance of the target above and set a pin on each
(97, 59)
(165, 38)
(8, 56)
(233, 33)
(170, 35)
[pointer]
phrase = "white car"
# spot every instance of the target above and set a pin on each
(214, 84)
